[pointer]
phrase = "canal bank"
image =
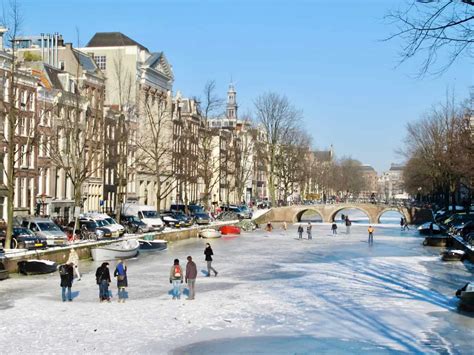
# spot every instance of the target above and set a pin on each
(83, 248)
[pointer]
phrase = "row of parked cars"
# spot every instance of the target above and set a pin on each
(38, 233)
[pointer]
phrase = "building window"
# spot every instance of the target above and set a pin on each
(101, 61)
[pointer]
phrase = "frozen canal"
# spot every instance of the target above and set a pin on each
(274, 294)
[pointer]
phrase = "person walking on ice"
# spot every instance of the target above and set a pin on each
(102, 276)
(209, 253)
(371, 235)
(122, 281)
(308, 230)
(300, 231)
(348, 225)
(190, 279)
(66, 273)
(176, 278)
(334, 228)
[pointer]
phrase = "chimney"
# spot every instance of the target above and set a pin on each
(3, 30)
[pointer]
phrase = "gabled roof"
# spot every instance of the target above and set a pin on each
(158, 61)
(112, 39)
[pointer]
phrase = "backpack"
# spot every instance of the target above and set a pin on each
(63, 271)
(177, 271)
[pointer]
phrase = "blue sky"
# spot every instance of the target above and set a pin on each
(326, 56)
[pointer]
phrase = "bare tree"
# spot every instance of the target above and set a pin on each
(277, 117)
(20, 135)
(125, 127)
(155, 145)
(76, 145)
(439, 152)
(429, 27)
(208, 162)
(291, 162)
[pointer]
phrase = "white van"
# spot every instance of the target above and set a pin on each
(111, 224)
(147, 214)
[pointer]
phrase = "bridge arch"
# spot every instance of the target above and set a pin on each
(333, 214)
(388, 209)
(300, 213)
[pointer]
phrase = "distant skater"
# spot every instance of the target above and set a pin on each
(284, 226)
(402, 224)
(334, 228)
(348, 225)
(300, 231)
(343, 218)
(209, 253)
(405, 224)
(102, 276)
(371, 235)
(66, 273)
(122, 281)
(190, 279)
(308, 230)
(176, 278)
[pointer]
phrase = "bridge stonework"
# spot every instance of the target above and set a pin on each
(292, 214)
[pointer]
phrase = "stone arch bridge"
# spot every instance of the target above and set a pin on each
(292, 214)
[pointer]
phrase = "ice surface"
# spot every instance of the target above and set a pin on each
(332, 294)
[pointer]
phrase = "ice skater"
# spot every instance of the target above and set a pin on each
(402, 224)
(348, 225)
(190, 279)
(334, 228)
(209, 253)
(371, 235)
(176, 278)
(405, 224)
(300, 231)
(102, 276)
(66, 273)
(122, 281)
(308, 230)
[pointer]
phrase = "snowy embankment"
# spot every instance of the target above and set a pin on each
(269, 284)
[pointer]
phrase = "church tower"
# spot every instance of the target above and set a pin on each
(231, 111)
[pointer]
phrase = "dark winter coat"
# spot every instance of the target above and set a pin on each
(66, 280)
(208, 252)
(102, 273)
(334, 226)
(300, 229)
(122, 272)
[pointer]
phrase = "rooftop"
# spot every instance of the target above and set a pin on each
(112, 39)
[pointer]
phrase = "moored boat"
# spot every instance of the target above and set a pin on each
(120, 250)
(425, 229)
(436, 241)
(209, 233)
(3, 272)
(32, 267)
(466, 296)
(230, 230)
(452, 255)
(157, 244)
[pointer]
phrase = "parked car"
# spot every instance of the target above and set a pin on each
(47, 229)
(184, 220)
(23, 238)
(117, 229)
(147, 214)
(133, 224)
(466, 229)
(89, 229)
(169, 220)
(457, 220)
(241, 212)
(201, 218)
